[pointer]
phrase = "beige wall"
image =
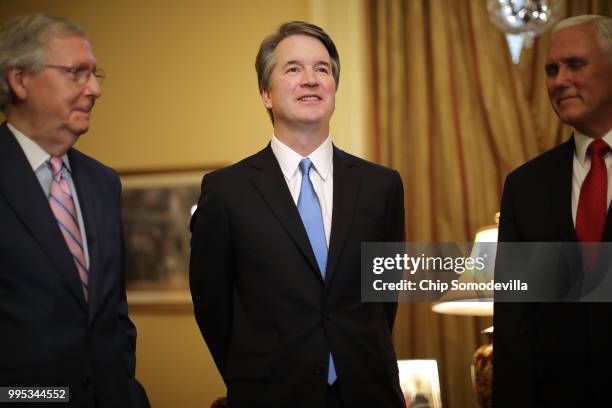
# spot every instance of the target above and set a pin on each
(181, 88)
(181, 91)
(173, 362)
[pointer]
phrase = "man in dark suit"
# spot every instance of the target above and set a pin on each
(559, 354)
(63, 311)
(275, 261)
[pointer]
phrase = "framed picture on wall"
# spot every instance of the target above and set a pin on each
(156, 208)
(420, 383)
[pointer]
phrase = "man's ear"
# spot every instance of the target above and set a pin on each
(16, 82)
(265, 97)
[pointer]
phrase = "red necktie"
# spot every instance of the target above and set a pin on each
(592, 208)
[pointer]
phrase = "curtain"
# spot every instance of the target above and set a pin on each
(454, 115)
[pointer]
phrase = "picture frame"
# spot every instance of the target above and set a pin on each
(420, 383)
(156, 207)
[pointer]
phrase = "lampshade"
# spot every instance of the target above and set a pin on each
(470, 303)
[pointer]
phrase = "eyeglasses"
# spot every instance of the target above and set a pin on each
(81, 74)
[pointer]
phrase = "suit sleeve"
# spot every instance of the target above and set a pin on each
(127, 329)
(211, 271)
(514, 377)
(396, 231)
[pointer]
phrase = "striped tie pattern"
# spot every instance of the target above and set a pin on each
(63, 208)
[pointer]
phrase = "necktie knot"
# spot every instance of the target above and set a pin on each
(305, 166)
(598, 148)
(56, 164)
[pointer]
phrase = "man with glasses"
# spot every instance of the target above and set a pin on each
(63, 309)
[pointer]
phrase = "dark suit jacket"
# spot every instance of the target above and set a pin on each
(268, 317)
(548, 354)
(49, 335)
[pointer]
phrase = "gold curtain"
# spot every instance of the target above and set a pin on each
(452, 113)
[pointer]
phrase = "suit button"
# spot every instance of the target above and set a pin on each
(319, 370)
(328, 316)
(86, 383)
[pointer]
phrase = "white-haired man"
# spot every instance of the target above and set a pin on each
(558, 354)
(63, 310)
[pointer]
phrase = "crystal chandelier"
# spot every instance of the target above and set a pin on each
(527, 18)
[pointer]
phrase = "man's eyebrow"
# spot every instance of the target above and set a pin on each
(566, 60)
(293, 62)
(299, 62)
(573, 58)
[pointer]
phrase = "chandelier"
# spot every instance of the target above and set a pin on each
(526, 18)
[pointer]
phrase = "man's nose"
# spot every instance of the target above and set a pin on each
(309, 78)
(92, 87)
(563, 78)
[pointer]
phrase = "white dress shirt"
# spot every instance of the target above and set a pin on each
(582, 165)
(321, 175)
(38, 159)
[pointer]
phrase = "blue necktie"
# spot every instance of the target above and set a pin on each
(312, 217)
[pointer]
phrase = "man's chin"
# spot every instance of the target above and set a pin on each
(314, 118)
(78, 129)
(570, 116)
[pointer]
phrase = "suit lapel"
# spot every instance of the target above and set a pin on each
(561, 192)
(22, 190)
(269, 181)
(607, 236)
(84, 188)
(346, 187)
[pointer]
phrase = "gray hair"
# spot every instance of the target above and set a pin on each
(603, 25)
(22, 45)
(265, 60)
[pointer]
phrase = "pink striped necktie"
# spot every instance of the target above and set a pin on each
(63, 208)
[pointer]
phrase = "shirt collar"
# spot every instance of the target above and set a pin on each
(35, 154)
(289, 160)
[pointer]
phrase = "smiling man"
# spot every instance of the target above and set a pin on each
(63, 310)
(558, 354)
(275, 261)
